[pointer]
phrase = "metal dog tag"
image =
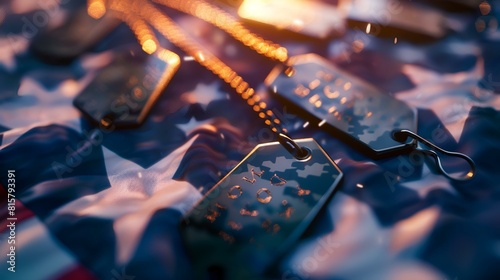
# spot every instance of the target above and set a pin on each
(257, 211)
(74, 37)
(340, 102)
(123, 93)
(311, 18)
(402, 19)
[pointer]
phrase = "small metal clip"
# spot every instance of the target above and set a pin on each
(291, 146)
(402, 136)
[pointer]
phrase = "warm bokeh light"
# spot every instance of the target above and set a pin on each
(96, 8)
(149, 46)
(228, 23)
(485, 7)
(368, 28)
(168, 56)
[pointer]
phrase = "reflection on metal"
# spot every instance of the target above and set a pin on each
(264, 195)
(234, 192)
(277, 180)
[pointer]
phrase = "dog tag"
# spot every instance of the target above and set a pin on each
(123, 93)
(400, 19)
(311, 18)
(259, 210)
(341, 102)
(77, 35)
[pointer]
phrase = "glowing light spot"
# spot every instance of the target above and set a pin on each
(106, 122)
(149, 46)
(368, 28)
(200, 56)
(289, 71)
(306, 124)
(298, 24)
(168, 56)
(359, 185)
(321, 123)
(188, 58)
(96, 9)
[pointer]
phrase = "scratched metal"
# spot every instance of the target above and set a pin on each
(259, 209)
(338, 99)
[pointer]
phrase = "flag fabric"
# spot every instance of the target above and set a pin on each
(106, 204)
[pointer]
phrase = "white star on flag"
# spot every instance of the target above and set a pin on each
(450, 96)
(9, 47)
(203, 94)
(37, 107)
(135, 195)
(428, 182)
(358, 230)
(193, 125)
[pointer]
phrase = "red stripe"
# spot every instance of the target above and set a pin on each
(77, 273)
(21, 212)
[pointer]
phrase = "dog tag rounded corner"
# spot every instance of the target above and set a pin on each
(340, 102)
(124, 92)
(260, 209)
